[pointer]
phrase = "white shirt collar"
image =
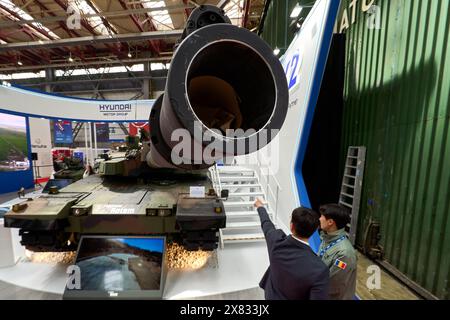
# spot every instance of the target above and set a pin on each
(304, 242)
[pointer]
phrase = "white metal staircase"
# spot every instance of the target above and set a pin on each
(243, 184)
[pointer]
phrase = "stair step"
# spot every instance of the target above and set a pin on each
(228, 170)
(235, 186)
(239, 214)
(244, 214)
(237, 204)
(246, 224)
(246, 194)
(238, 178)
(245, 237)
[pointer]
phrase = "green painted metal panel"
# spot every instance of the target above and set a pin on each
(397, 93)
(276, 31)
(397, 104)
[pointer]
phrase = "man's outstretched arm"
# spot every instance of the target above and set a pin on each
(271, 234)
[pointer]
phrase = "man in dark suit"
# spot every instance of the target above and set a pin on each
(295, 271)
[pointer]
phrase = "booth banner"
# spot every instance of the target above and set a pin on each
(304, 64)
(63, 132)
(13, 143)
(116, 133)
(134, 127)
(41, 145)
(102, 132)
(15, 153)
(40, 104)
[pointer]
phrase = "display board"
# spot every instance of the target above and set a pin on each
(15, 165)
(13, 143)
(102, 132)
(62, 131)
(116, 133)
(118, 268)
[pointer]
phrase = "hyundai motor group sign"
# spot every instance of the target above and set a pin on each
(40, 104)
(115, 109)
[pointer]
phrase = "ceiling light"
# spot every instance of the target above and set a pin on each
(130, 55)
(297, 10)
(276, 51)
(70, 58)
(19, 63)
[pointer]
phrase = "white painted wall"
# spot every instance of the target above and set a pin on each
(281, 159)
(41, 143)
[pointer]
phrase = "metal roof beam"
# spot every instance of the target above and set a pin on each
(149, 35)
(154, 46)
(28, 25)
(83, 80)
(77, 64)
(64, 27)
(103, 14)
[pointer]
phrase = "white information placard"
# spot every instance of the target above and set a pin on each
(197, 192)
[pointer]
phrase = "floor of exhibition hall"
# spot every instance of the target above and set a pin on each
(237, 276)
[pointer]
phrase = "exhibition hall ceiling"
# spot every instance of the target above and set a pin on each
(39, 34)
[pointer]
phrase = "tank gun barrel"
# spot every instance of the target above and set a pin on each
(226, 94)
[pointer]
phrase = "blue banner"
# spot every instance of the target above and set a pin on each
(102, 131)
(63, 132)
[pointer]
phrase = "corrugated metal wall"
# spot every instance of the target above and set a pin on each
(397, 104)
(397, 95)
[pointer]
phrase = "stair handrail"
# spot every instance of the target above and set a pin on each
(275, 195)
(216, 183)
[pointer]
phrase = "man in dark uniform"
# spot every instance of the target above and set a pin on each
(295, 271)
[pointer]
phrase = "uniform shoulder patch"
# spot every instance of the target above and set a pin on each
(340, 264)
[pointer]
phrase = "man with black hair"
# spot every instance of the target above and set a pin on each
(295, 271)
(337, 252)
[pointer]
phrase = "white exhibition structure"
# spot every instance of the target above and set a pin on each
(241, 265)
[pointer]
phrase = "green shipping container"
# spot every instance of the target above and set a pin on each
(397, 92)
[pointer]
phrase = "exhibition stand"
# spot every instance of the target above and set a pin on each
(10, 249)
(240, 266)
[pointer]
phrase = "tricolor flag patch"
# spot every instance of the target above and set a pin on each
(340, 264)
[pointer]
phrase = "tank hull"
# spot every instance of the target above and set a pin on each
(99, 205)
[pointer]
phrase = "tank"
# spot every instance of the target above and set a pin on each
(69, 168)
(225, 88)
